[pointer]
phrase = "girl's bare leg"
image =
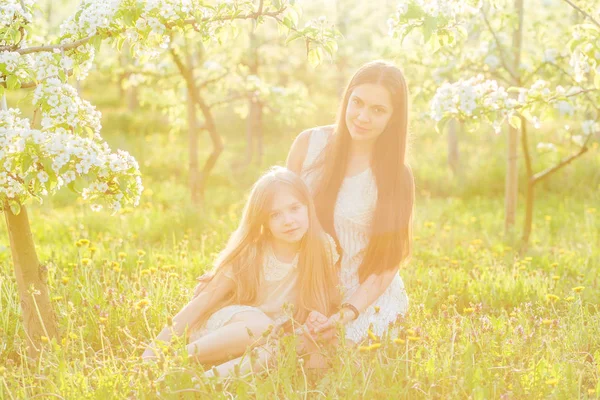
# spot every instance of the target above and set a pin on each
(257, 363)
(232, 339)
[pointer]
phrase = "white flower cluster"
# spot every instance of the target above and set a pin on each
(590, 127)
(12, 9)
(63, 108)
(453, 12)
(463, 98)
(114, 176)
(12, 62)
(91, 16)
(47, 64)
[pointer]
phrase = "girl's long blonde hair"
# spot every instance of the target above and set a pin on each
(242, 257)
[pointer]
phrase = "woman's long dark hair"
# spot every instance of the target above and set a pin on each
(390, 242)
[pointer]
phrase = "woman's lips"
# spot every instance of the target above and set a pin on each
(360, 128)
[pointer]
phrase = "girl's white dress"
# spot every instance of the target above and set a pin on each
(353, 214)
(278, 288)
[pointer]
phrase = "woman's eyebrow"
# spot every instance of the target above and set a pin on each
(375, 105)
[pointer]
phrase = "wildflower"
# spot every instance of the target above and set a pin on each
(399, 341)
(548, 217)
(591, 391)
(468, 310)
(372, 335)
(93, 250)
(570, 298)
(554, 265)
(547, 322)
(556, 277)
(413, 338)
(552, 382)
(142, 304)
(56, 298)
(122, 255)
(44, 339)
(591, 211)
(429, 224)
(578, 289)
(85, 262)
(144, 272)
(141, 253)
(552, 298)
(65, 280)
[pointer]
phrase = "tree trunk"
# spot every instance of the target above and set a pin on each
(38, 317)
(530, 179)
(193, 148)
(453, 155)
(512, 175)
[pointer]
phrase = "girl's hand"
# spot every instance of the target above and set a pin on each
(315, 320)
(202, 282)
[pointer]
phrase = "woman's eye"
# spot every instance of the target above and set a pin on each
(379, 110)
(295, 208)
(355, 101)
(275, 215)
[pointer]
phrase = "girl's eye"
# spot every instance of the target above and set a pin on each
(354, 101)
(296, 208)
(379, 110)
(275, 215)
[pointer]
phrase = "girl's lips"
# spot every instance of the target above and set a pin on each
(290, 231)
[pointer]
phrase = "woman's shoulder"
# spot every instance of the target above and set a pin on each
(302, 144)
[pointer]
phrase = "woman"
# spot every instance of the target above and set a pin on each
(364, 195)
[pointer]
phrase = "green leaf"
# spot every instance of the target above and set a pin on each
(314, 57)
(293, 36)
(12, 82)
(439, 126)
(15, 207)
(515, 121)
(429, 26)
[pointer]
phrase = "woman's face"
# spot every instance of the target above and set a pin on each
(288, 217)
(368, 112)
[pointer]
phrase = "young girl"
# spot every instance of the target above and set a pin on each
(279, 254)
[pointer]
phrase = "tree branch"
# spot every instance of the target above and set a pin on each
(545, 173)
(583, 12)
(500, 47)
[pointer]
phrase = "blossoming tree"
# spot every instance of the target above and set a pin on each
(60, 144)
(534, 84)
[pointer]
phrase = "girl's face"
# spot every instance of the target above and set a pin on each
(368, 112)
(288, 217)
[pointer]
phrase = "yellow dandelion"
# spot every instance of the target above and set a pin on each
(65, 279)
(591, 391)
(2, 370)
(142, 303)
(374, 346)
(85, 262)
(364, 348)
(56, 298)
(122, 255)
(153, 270)
(417, 238)
(141, 253)
(140, 263)
(44, 339)
(454, 262)
(372, 335)
(103, 319)
(413, 338)
(556, 277)
(548, 217)
(399, 341)
(552, 298)
(452, 298)
(429, 224)
(591, 211)
(552, 382)
(78, 243)
(93, 250)
(117, 268)
(578, 289)
(174, 275)
(554, 265)
(513, 314)
(570, 298)
(144, 272)
(73, 336)
(411, 332)
(473, 219)
(547, 322)
(468, 310)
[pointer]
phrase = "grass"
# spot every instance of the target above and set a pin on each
(484, 321)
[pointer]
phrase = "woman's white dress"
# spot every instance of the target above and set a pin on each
(353, 214)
